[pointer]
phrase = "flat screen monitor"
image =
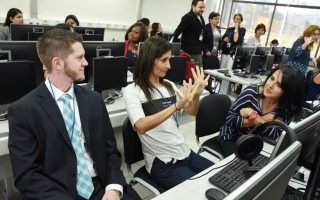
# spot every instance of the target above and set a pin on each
(17, 79)
(242, 57)
(109, 73)
(308, 133)
(24, 50)
(5, 55)
(266, 59)
(176, 46)
(278, 52)
(271, 181)
(167, 36)
(28, 32)
(90, 33)
(90, 48)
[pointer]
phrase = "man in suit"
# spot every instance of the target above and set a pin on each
(190, 28)
(47, 143)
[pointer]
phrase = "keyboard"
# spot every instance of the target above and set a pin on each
(232, 176)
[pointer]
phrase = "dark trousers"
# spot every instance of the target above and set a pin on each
(99, 190)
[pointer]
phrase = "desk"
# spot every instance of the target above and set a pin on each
(195, 189)
(225, 87)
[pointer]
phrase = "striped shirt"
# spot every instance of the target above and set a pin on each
(249, 98)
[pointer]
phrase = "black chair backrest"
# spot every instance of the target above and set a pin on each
(177, 71)
(131, 143)
(109, 73)
(212, 113)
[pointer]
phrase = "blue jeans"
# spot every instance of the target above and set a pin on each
(173, 173)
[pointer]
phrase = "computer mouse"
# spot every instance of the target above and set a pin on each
(215, 194)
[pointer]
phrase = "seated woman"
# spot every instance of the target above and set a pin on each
(276, 99)
(14, 16)
(313, 82)
(135, 34)
(152, 103)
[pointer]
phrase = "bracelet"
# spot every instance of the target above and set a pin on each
(175, 105)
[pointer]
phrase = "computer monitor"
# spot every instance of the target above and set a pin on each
(90, 33)
(271, 181)
(308, 133)
(278, 52)
(90, 48)
(27, 32)
(5, 55)
(266, 59)
(17, 78)
(24, 50)
(176, 46)
(312, 190)
(242, 57)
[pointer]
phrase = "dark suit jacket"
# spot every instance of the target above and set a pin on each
(191, 28)
(208, 37)
(43, 160)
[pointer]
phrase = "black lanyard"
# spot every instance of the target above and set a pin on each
(175, 115)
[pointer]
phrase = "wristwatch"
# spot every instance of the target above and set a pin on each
(253, 115)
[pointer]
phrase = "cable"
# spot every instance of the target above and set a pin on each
(212, 169)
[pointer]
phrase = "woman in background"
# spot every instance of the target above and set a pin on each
(211, 41)
(276, 99)
(156, 29)
(255, 40)
(233, 36)
(299, 56)
(14, 15)
(135, 34)
(313, 82)
(72, 20)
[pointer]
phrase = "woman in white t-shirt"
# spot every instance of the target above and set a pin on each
(152, 103)
(255, 40)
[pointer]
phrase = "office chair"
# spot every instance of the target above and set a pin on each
(212, 113)
(109, 73)
(177, 71)
(132, 154)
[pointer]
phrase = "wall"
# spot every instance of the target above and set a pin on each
(115, 15)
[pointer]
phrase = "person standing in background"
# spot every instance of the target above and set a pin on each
(72, 20)
(234, 36)
(273, 43)
(191, 30)
(14, 15)
(255, 40)
(299, 56)
(211, 41)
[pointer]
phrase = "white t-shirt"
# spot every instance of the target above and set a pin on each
(253, 41)
(164, 141)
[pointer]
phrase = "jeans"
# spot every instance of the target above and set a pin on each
(175, 172)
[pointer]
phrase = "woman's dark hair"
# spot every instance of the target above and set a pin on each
(275, 41)
(293, 86)
(143, 31)
(11, 13)
(212, 15)
(152, 49)
(64, 26)
(259, 26)
(154, 28)
(74, 18)
(145, 21)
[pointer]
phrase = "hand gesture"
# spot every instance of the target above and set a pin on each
(245, 112)
(199, 80)
(187, 96)
(308, 40)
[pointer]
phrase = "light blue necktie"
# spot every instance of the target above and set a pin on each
(84, 181)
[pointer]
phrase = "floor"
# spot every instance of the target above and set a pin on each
(187, 126)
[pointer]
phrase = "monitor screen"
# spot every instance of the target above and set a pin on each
(5, 55)
(242, 57)
(262, 51)
(24, 50)
(266, 59)
(308, 133)
(278, 52)
(90, 33)
(25, 32)
(17, 79)
(271, 181)
(176, 46)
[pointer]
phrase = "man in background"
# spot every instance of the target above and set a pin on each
(190, 28)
